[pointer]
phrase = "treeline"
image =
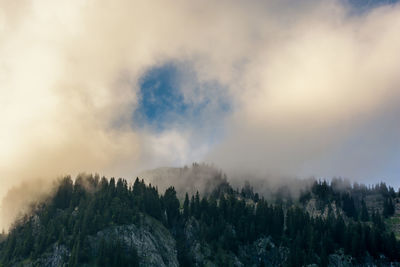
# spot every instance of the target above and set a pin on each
(352, 198)
(228, 219)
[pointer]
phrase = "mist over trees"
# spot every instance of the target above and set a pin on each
(228, 220)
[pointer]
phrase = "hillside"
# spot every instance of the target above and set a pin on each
(100, 222)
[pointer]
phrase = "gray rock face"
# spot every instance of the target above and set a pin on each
(315, 210)
(55, 257)
(199, 252)
(340, 260)
(263, 251)
(153, 242)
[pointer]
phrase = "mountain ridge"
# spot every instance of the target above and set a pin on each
(101, 222)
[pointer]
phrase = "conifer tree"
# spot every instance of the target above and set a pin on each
(186, 207)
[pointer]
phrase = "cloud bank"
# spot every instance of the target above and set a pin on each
(313, 86)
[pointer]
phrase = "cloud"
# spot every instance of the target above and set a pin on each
(315, 90)
(302, 79)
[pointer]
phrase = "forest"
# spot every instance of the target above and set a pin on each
(228, 222)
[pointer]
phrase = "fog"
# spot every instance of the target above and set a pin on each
(313, 85)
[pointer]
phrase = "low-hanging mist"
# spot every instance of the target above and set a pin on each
(313, 87)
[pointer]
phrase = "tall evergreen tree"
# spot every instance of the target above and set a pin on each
(364, 216)
(186, 211)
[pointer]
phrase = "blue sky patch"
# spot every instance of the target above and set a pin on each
(162, 103)
(159, 96)
(363, 5)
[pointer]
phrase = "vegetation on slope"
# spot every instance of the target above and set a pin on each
(228, 222)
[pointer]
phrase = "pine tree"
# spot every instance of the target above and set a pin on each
(364, 212)
(388, 207)
(192, 206)
(186, 207)
(171, 204)
(348, 206)
(197, 205)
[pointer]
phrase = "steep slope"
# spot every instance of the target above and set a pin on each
(148, 242)
(100, 222)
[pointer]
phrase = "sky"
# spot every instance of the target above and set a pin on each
(271, 88)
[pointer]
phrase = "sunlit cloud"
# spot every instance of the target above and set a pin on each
(279, 88)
